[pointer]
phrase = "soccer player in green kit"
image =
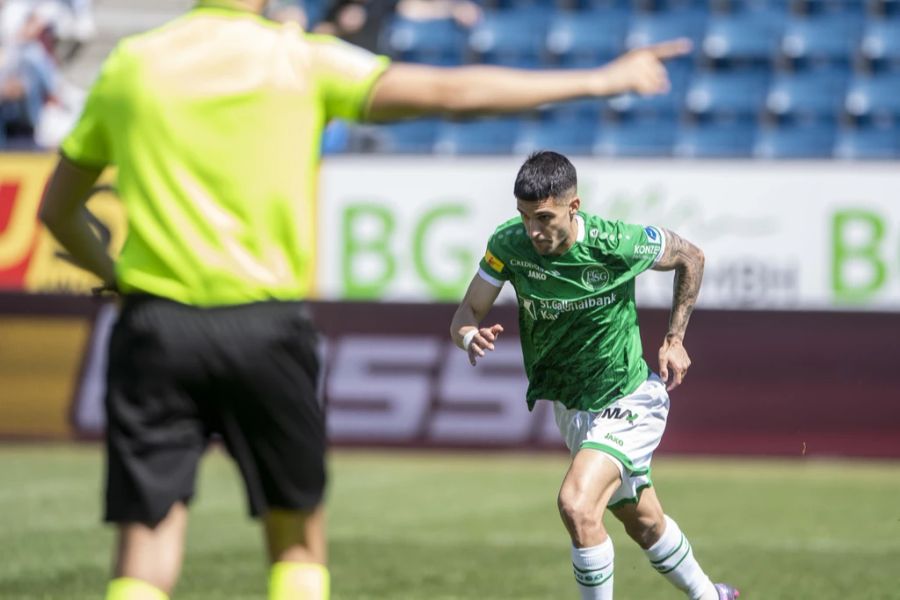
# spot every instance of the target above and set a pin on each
(574, 275)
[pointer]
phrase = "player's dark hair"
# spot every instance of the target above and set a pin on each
(543, 175)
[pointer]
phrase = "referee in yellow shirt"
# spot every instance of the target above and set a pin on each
(214, 121)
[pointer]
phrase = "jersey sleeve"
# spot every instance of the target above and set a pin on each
(640, 246)
(88, 143)
(492, 267)
(345, 75)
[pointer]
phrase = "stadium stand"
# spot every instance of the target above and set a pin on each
(795, 140)
(514, 38)
(652, 136)
(868, 142)
(745, 38)
(437, 42)
(875, 98)
(571, 137)
(880, 46)
(822, 41)
(808, 96)
(409, 137)
(586, 38)
(716, 96)
(482, 136)
(716, 139)
(768, 78)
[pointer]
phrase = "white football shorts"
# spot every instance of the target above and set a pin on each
(627, 431)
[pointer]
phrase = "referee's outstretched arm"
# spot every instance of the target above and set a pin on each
(409, 90)
(405, 90)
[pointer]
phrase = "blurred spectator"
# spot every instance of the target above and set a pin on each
(34, 99)
(83, 27)
(357, 21)
(71, 20)
(360, 22)
(287, 11)
(464, 12)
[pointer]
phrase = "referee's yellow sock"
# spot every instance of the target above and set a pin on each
(128, 588)
(299, 581)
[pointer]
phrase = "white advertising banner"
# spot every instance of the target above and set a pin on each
(777, 235)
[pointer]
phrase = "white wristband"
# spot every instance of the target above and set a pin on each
(467, 339)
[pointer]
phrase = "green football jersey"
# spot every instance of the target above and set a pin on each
(577, 315)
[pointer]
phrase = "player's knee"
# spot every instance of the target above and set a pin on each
(582, 517)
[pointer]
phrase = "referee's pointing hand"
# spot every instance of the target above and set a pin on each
(642, 70)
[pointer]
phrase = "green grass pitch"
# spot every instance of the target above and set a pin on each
(473, 526)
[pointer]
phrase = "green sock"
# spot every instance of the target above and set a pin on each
(299, 581)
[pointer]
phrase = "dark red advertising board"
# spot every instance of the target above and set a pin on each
(762, 383)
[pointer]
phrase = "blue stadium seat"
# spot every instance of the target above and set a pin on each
(716, 140)
(727, 95)
(774, 8)
(436, 42)
(870, 142)
(743, 37)
(588, 38)
(636, 137)
(814, 140)
(586, 109)
(808, 95)
(881, 45)
(574, 137)
(884, 8)
(821, 40)
(315, 10)
(512, 37)
(591, 5)
(482, 136)
(669, 6)
(874, 98)
(520, 4)
(407, 137)
(336, 137)
(852, 8)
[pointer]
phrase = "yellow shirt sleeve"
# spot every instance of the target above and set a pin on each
(345, 75)
(89, 142)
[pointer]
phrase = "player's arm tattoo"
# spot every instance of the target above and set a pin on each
(687, 261)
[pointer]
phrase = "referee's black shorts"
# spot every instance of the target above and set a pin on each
(178, 374)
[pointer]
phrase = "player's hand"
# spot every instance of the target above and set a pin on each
(483, 340)
(674, 361)
(642, 70)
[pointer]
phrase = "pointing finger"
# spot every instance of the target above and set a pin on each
(670, 48)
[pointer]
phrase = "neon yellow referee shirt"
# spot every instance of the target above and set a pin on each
(214, 121)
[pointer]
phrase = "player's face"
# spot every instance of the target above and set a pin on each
(550, 224)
